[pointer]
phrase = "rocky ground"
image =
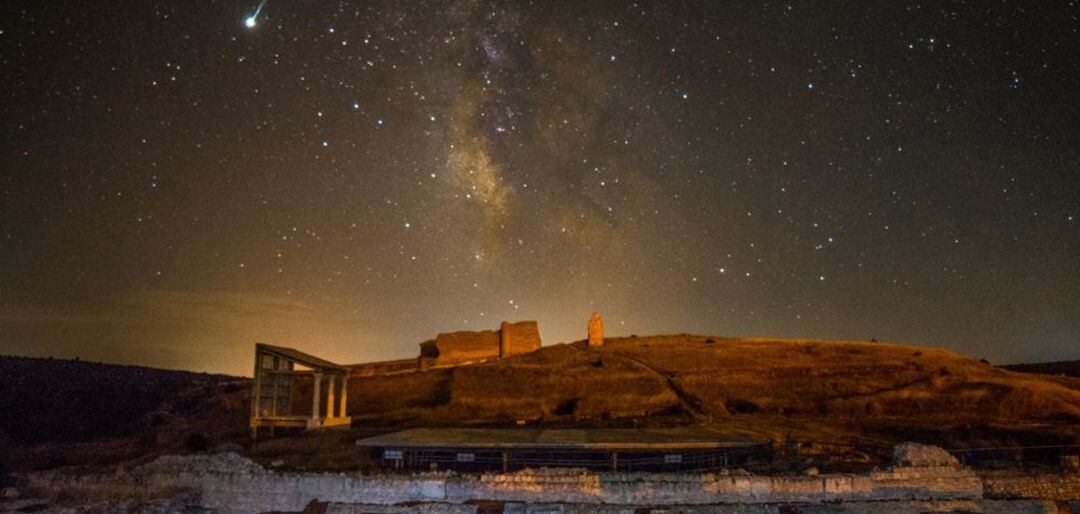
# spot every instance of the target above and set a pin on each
(921, 479)
(836, 406)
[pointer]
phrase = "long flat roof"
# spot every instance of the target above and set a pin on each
(690, 438)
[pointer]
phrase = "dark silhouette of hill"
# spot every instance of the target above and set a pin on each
(1065, 368)
(54, 400)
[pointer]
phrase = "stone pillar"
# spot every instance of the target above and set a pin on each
(342, 412)
(504, 340)
(315, 398)
(596, 330)
(331, 381)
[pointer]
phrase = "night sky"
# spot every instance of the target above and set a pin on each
(351, 178)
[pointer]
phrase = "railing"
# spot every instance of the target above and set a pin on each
(474, 460)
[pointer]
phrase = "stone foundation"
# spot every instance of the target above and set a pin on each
(1047, 486)
(230, 483)
(900, 507)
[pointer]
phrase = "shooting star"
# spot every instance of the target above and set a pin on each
(254, 18)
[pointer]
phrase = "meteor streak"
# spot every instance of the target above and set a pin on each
(250, 21)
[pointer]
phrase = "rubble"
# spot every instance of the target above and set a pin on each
(922, 455)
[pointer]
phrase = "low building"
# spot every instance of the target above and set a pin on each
(611, 449)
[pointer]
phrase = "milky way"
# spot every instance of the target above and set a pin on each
(353, 177)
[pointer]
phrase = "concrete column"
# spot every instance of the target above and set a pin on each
(331, 381)
(342, 412)
(315, 397)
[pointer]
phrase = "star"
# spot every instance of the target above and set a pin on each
(567, 128)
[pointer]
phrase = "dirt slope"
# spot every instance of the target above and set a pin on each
(835, 392)
(848, 400)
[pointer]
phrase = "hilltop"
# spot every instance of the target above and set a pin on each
(849, 400)
(1062, 368)
(836, 393)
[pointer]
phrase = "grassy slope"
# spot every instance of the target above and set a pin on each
(849, 398)
(829, 391)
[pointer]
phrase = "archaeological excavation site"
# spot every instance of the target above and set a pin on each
(539, 257)
(494, 421)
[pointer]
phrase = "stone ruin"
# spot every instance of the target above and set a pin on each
(922, 455)
(923, 479)
(461, 347)
(596, 330)
(464, 347)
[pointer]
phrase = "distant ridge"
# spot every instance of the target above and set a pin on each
(1067, 368)
(46, 399)
(93, 363)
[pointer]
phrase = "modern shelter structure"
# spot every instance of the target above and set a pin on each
(610, 449)
(278, 372)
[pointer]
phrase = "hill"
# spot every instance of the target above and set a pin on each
(849, 401)
(840, 394)
(76, 412)
(1060, 368)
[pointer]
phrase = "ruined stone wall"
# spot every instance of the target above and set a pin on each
(371, 369)
(518, 338)
(1017, 484)
(460, 347)
(228, 482)
(579, 486)
(464, 347)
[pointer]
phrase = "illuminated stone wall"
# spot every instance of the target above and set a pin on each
(463, 347)
(230, 483)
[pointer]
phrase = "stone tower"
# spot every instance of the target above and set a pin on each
(596, 330)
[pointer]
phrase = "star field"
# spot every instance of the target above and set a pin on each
(180, 180)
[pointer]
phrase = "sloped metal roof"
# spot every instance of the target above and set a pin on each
(305, 359)
(607, 439)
